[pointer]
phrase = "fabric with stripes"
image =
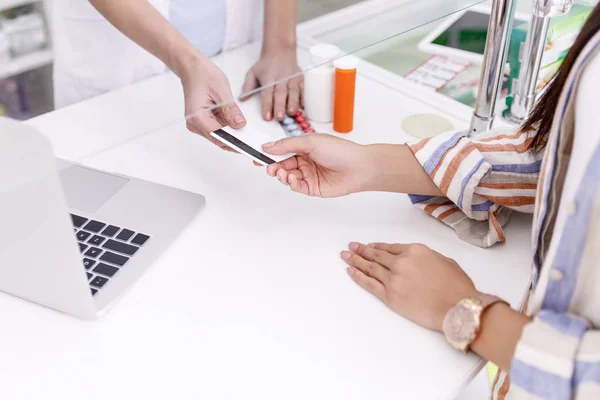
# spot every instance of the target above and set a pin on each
(484, 179)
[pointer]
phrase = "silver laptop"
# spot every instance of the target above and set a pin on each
(73, 238)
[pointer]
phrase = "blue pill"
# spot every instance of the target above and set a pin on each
(297, 132)
(292, 127)
(288, 121)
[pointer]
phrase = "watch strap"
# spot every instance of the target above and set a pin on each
(488, 300)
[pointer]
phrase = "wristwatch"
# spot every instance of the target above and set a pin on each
(463, 321)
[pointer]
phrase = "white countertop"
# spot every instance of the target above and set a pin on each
(253, 301)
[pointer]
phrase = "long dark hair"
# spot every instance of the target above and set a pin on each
(543, 113)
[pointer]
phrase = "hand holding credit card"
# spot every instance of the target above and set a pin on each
(248, 141)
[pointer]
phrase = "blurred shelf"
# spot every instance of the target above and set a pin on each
(26, 63)
(6, 4)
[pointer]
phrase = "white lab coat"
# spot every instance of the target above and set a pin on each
(93, 57)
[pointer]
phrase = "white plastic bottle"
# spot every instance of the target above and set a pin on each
(319, 83)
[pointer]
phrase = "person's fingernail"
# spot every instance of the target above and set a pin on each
(350, 271)
(353, 246)
(346, 255)
(268, 115)
(268, 145)
(291, 111)
(280, 115)
(238, 119)
(372, 245)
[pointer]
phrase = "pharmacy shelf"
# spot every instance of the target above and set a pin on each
(26, 63)
(6, 4)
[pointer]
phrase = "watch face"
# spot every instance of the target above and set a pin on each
(460, 325)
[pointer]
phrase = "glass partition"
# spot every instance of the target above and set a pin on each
(373, 30)
(412, 39)
(430, 51)
(380, 23)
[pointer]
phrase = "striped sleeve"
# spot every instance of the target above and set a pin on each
(483, 180)
(558, 357)
(558, 354)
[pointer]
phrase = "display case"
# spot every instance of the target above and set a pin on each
(385, 35)
(428, 49)
(26, 58)
(29, 58)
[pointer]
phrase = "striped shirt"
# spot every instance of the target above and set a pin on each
(484, 179)
(487, 177)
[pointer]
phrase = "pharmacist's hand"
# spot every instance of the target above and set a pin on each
(411, 279)
(206, 86)
(325, 166)
(286, 96)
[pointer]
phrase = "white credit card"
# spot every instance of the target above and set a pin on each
(248, 141)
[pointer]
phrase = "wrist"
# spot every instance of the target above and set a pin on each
(280, 21)
(394, 168)
(491, 313)
(368, 169)
(280, 41)
(500, 332)
(382, 168)
(187, 62)
(279, 47)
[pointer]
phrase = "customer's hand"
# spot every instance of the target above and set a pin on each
(205, 87)
(284, 97)
(413, 280)
(325, 166)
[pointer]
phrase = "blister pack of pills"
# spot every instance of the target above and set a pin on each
(296, 125)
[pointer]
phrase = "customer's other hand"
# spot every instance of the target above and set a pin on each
(285, 97)
(325, 166)
(209, 103)
(413, 280)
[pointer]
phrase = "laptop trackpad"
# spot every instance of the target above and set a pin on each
(87, 190)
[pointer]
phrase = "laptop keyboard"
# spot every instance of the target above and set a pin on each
(105, 249)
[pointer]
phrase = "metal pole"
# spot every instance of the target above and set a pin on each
(531, 59)
(494, 61)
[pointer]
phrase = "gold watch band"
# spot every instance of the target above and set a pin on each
(488, 300)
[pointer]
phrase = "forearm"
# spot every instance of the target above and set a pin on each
(501, 330)
(281, 17)
(395, 169)
(143, 24)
